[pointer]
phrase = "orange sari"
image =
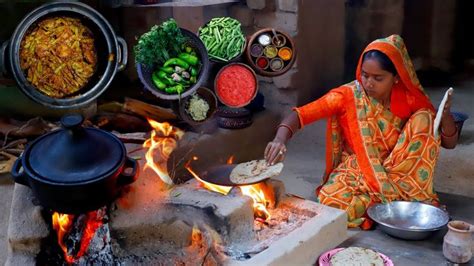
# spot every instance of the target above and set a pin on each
(373, 154)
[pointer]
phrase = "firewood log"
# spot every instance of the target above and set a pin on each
(154, 112)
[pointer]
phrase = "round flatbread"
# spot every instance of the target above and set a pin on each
(356, 256)
(254, 171)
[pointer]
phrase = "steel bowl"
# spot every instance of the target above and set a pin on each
(408, 220)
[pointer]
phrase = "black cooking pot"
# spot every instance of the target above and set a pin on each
(111, 52)
(75, 169)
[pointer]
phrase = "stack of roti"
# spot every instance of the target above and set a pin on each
(254, 172)
(356, 256)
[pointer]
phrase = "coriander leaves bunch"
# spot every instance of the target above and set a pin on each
(159, 44)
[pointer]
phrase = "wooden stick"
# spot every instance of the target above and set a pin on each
(6, 162)
(148, 110)
(136, 137)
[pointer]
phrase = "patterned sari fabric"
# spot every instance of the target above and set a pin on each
(401, 159)
(373, 154)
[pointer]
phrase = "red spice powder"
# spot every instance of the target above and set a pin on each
(262, 62)
(236, 85)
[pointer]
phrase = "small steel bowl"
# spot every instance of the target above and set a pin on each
(408, 220)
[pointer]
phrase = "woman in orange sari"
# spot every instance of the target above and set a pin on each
(380, 141)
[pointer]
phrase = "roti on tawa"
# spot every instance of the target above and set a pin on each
(254, 171)
(356, 256)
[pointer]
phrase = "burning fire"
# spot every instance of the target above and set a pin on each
(207, 244)
(262, 194)
(63, 224)
(263, 197)
(196, 237)
(200, 245)
(162, 142)
(216, 188)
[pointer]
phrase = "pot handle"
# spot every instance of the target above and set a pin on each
(128, 178)
(122, 57)
(3, 59)
(471, 228)
(19, 176)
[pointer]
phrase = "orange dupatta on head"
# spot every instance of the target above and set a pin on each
(408, 95)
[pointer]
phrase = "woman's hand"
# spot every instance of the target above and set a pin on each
(276, 149)
(449, 131)
(275, 152)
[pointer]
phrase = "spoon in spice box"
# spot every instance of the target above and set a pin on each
(276, 37)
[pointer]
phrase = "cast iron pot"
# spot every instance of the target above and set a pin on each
(75, 169)
(112, 53)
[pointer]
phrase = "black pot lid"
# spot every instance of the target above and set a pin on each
(75, 154)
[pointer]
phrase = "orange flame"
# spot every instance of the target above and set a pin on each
(262, 193)
(216, 188)
(163, 141)
(196, 237)
(199, 243)
(63, 223)
(262, 196)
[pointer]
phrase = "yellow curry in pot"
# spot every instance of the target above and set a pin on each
(58, 56)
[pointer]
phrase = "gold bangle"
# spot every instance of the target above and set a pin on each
(287, 127)
(454, 134)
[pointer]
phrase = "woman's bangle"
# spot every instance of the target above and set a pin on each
(287, 127)
(452, 135)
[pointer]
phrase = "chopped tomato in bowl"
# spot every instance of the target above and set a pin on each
(236, 85)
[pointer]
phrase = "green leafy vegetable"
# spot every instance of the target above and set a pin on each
(161, 43)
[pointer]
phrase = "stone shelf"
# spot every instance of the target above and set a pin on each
(181, 3)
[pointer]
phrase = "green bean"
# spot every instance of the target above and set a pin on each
(223, 38)
(231, 48)
(217, 57)
(235, 54)
(216, 32)
(214, 49)
(211, 46)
